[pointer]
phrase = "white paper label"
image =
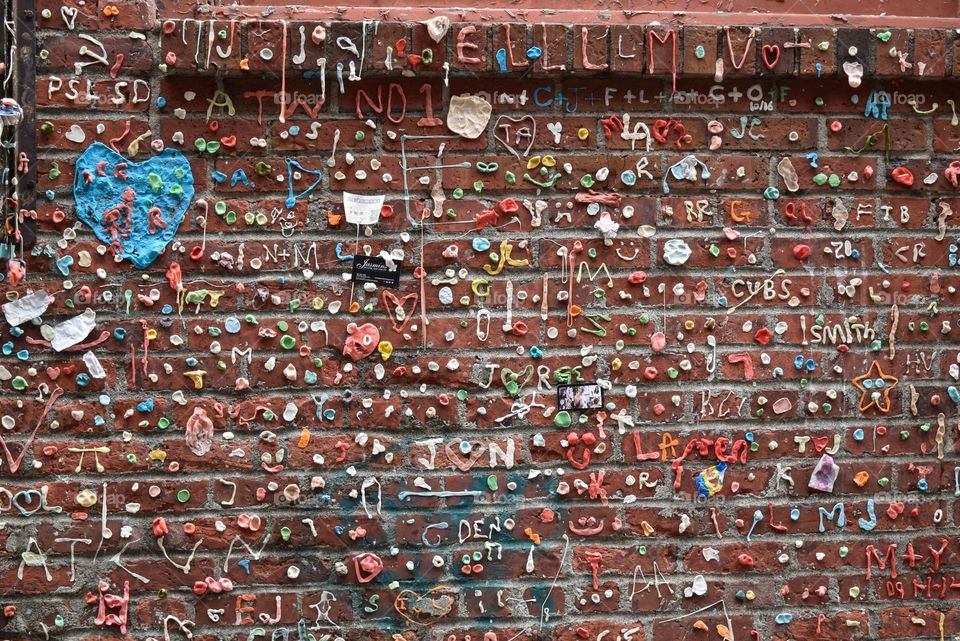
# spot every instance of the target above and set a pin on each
(26, 308)
(362, 209)
(93, 365)
(72, 331)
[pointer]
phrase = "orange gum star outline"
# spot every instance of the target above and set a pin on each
(882, 404)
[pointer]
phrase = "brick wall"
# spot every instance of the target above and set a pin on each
(742, 235)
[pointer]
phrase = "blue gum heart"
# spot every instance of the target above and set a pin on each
(144, 202)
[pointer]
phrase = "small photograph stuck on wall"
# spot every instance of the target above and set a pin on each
(582, 397)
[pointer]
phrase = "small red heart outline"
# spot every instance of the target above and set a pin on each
(395, 304)
(765, 51)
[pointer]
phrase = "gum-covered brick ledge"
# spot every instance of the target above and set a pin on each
(398, 324)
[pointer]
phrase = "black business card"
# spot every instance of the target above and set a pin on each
(374, 269)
